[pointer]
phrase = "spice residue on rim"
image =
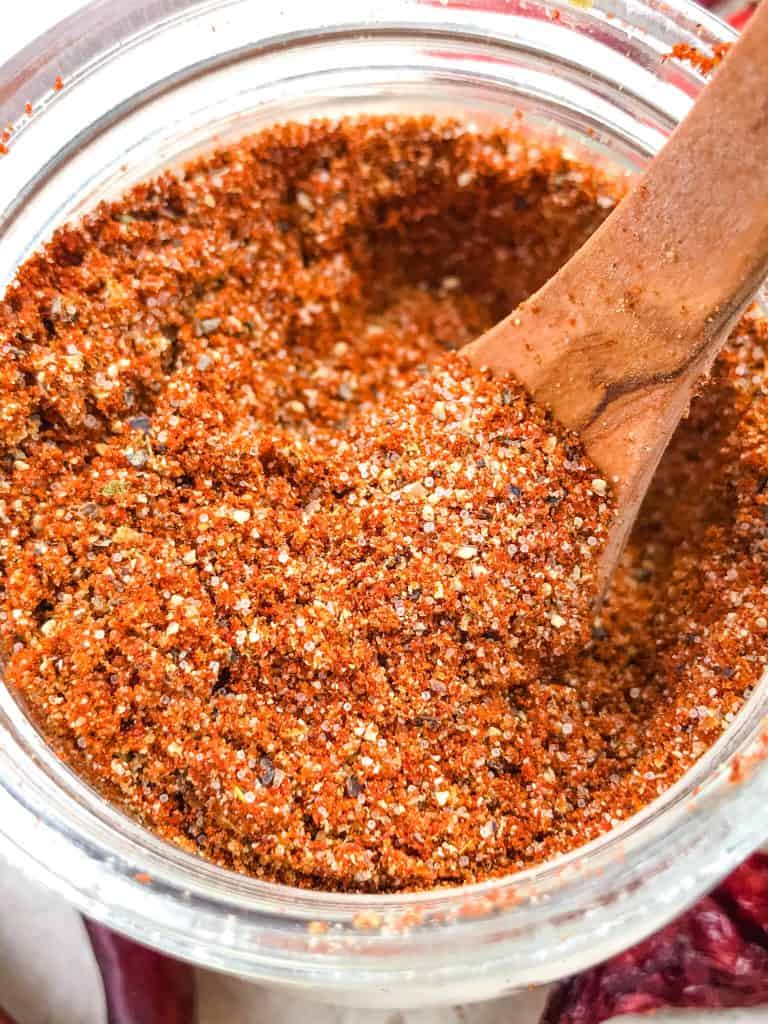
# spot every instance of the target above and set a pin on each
(703, 62)
(299, 588)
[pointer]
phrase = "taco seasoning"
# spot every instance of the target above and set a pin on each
(298, 588)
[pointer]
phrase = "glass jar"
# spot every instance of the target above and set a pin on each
(149, 84)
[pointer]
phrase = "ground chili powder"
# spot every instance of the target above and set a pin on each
(302, 591)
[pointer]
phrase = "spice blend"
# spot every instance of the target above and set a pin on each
(306, 594)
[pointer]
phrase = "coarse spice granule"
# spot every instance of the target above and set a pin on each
(302, 591)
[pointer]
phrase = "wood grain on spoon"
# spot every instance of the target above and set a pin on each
(616, 341)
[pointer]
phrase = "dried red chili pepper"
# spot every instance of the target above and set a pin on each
(744, 894)
(142, 986)
(714, 956)
(740, 18)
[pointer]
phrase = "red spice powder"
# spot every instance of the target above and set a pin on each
(299, 588)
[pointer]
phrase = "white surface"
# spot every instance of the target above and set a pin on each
(47, 975)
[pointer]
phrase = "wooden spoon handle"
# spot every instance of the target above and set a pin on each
(615, 342)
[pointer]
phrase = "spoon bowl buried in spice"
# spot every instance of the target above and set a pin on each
(616, 342)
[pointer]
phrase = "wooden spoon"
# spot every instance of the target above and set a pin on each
(616, 341)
